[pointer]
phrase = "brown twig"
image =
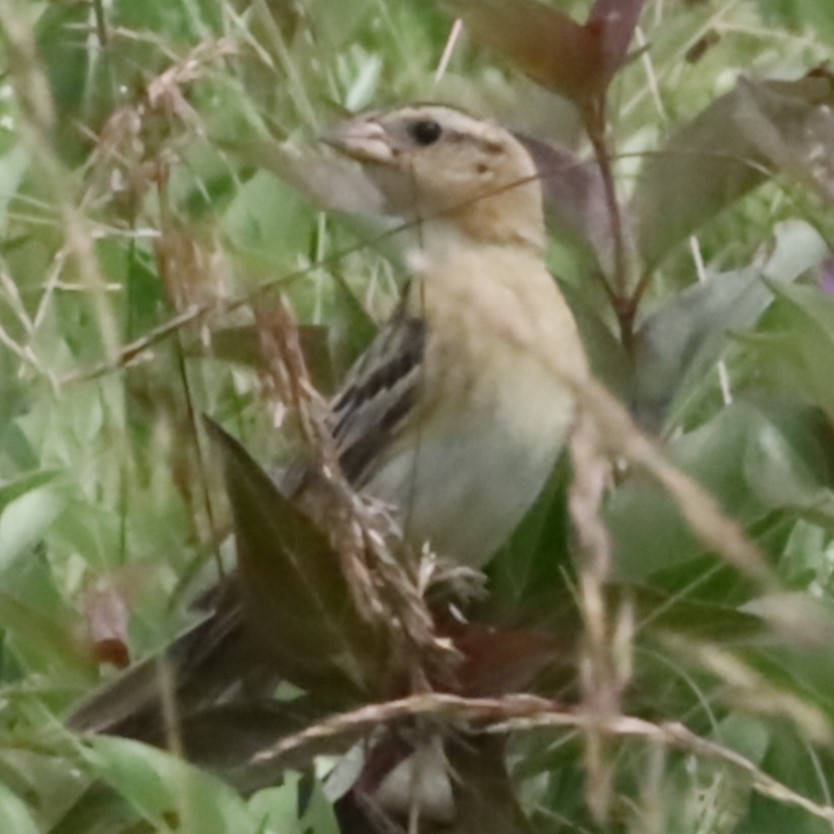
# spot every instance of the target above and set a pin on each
(594, 117)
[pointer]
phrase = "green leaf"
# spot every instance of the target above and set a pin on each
(14, 814)
(533, 563)
(278, 808)
(742, 457)
(266, 216)
(26, 519)
(43, 642)
(789, 759)
(60, 36)
(734, 145)
(793, 137)
(682, 341)
(353, 328)
(17, 487)
(685, 338)
(99, 809)
(815, 16)
(13, 166)
(41, 778)
(609, 362)
(797, 351)
(163, 788)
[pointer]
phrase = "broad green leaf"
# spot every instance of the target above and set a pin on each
(17, 487)
(661, 613)
(734, 145)
(161, 787)
(798, 350)
(14, 814)
(100, 809)
(681, 342)
(684, 339)
(815, 16)
(42, 778)
(13, 165)
(265, 216)
(26, 519)
(790, 760)
(278, 808)
(45, 643)
(609, 362)
(532, 564)
(353, 329)
(794, 138)
(743, 457)
(60, 38)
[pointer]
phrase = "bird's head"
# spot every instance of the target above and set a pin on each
(439, 165)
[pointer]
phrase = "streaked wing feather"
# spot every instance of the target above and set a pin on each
(378, 395)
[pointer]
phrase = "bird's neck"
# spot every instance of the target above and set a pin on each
(448, 260)
(511, 216)
(442, 238)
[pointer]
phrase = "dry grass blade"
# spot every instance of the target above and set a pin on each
(133, 149)
(605, 665)
(524, 713)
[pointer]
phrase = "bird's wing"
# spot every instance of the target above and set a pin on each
(379, 395)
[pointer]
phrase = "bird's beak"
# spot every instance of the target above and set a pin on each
(362, 139)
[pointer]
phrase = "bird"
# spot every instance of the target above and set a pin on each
(457, 411)
(455, 416)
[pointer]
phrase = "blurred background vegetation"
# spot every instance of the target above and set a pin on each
(161, 184)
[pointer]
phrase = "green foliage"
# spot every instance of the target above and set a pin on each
(161, 196)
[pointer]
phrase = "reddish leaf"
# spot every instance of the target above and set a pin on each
(827, 276)
(618, 20)
(574, 196)
(543, 42)
(575, 60)
(500, 661)
(294, 591)
(107, 618)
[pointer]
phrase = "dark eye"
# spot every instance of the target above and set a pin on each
(425, 132)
